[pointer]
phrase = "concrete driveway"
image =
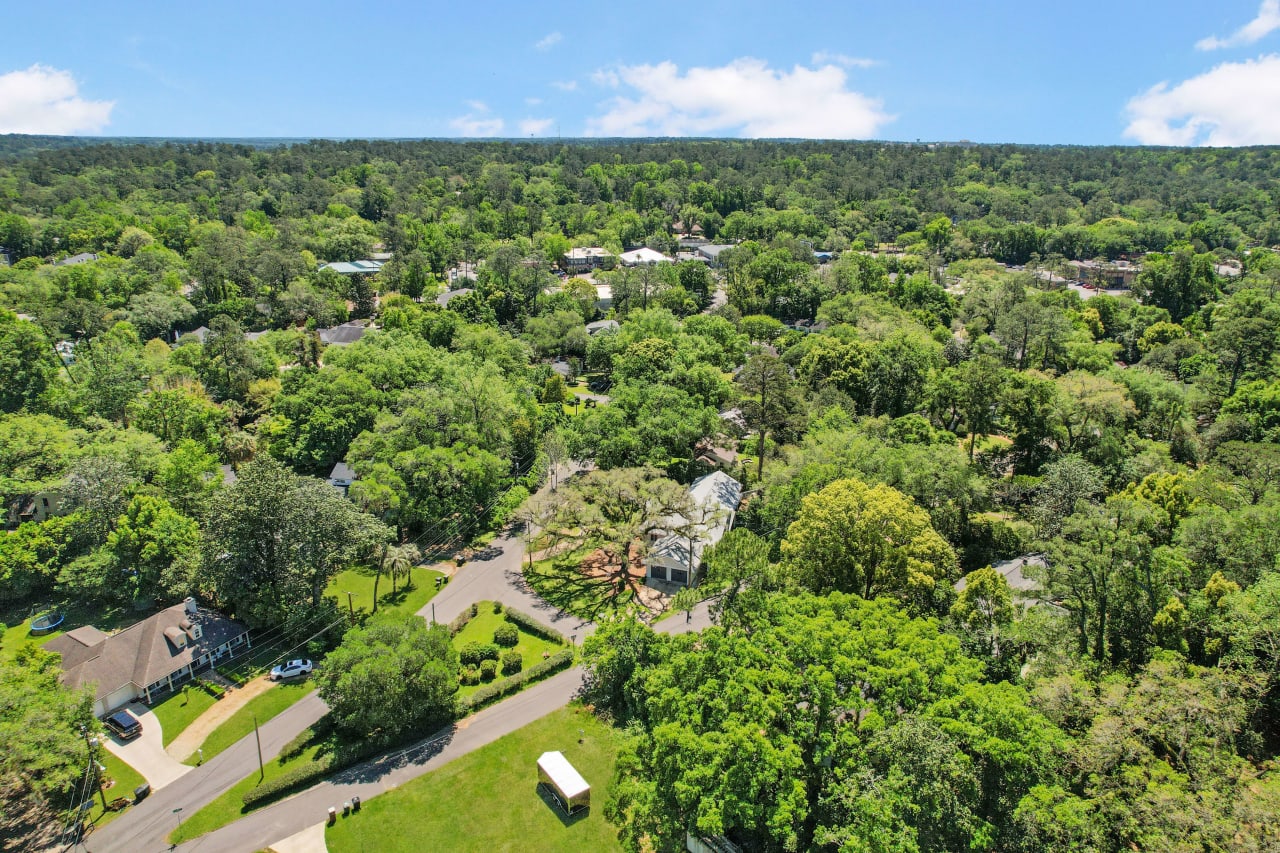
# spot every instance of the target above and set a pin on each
(145, 753)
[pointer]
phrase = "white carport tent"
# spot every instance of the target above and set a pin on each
(567, 783)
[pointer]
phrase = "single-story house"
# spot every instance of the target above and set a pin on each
(676, 554)
(602, 326)
(444, 299)
(149, 658)
(642, 257)
(200, 333)
(711, 252)
(347, 333)
(341, 477)
(367, 267)
(585, 259)
(82, 258)
(1025, 590)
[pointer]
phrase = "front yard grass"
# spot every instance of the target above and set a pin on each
(181, 709)
(411, 600)
(126, 780)
(480, 630)
(265, 705)
(489, 799)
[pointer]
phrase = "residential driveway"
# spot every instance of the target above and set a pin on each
(143, 828)
(145, 753)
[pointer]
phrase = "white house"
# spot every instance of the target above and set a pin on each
(342, 476)
(676, 553)
(584, 259)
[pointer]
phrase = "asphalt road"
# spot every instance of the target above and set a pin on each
(144, 827)
(282, 819)
(495, 575)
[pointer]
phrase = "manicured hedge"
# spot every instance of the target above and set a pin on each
(491, 692)
(506, 635)
(303, 775)
(488, 670)
(473, 653)
(512, 662)
(533, 626)
(460, 622)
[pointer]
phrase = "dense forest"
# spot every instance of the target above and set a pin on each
(922, 361)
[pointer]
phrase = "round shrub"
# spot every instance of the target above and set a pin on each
(488, 669)
(470, 675)
(497, 607)
(511, 662)
(506, 635)
(473, 653)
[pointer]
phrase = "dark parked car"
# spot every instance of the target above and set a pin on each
(124, 724)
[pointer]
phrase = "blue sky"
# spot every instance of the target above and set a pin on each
(1085, 72)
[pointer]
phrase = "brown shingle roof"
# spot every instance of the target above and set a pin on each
(141, 654)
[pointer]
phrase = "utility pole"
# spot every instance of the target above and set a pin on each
(262, 773)
(351, 606)
(433, 613)
(90, 743)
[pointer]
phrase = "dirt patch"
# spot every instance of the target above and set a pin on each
(194, 735)
(599, 565)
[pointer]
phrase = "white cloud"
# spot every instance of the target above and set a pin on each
(46, 100)
(478, 122)
(548, 41)
(1267, 21)
(565, 85)
(825, 57)
(1236, 103)
(745, 97)
(533, 102)
(535, 126)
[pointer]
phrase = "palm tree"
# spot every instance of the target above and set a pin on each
(396, 561)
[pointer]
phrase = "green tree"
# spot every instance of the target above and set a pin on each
(869, 540)
(273, 540)
(27, 362)
(769, 403)
(147, 541)
(393, 676)
(40, 721)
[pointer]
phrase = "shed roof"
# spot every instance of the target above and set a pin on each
(563, 774)
(354, 267)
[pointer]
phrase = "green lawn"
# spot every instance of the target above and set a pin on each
(230, 806)
(560, 582)
(181, 709)
(18, 619)
(410, 601)
(126, 779)
(264, 706)
(488, 800)
(480, 630)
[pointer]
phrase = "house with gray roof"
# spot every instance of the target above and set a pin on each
(347, 333)
(342, 476)
(676, 554)
(74, 260)
(149, 658)
(366, 267)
